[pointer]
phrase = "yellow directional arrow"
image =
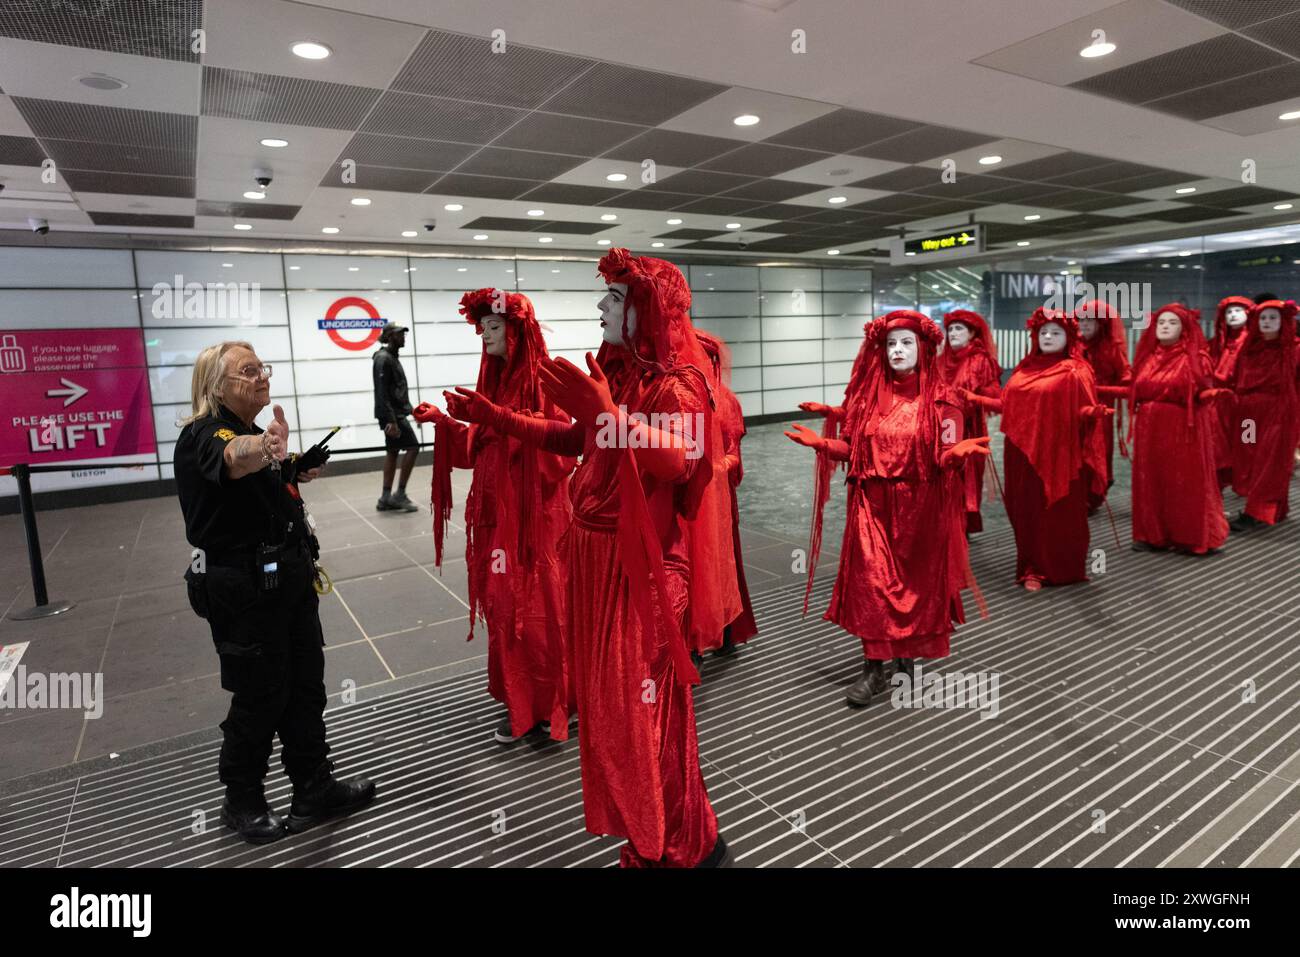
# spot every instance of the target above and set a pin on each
(965, 238)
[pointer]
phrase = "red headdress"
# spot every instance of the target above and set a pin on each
(665, 343)
(1107, 351)
(1073, 343)
(981, 340)
(1220, 342)
(1193, 344)
(1285, 341)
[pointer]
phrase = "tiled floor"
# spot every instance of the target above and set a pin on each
(1123, 695)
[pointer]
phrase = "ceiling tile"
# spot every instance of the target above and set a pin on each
(93, 182)
(1268, 86)
(1240, 196)
(106, 124)
(141, 219)
(1238, 13)
(20, 151)
(1219, 58)
(626, 95)
(923, 143)
(701, 182)
(209, 207)
(768, 191)
(384, 178)
(570, 228)
(842, 131)
(488, 187)
(244, 95)
(776, 112)
(904, 178)
(648, 199)
(1061, 164)
(376, 149)
(672, 148)
(691, 233)
(761, 159)
(1282, 33)
(518, 164)
(715, 206)
(150, 28)
(74, 154)
(467, 67)
(1190, 214)
(576, 135)
(572, 194)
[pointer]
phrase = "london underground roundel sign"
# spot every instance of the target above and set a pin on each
(371, 323)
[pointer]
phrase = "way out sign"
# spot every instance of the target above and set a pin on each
(956, 243)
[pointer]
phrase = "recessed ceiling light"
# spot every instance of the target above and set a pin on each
(408, 233)
(243, 226)
(1023, 242)
(990, 160)
(413, 269)
(1097, 49)
(1182, 190)
(453, 207)
(462, 269)
(609, 217)
(1283, 206)
(838, 199)
(656, 245)
(102, 81)
(254, 194)
(733, 225)
(1293, 115)
(1073, 262)
(616, 177)
(544, 239)
(832, 252)
(360, 201)
(1164, 265)
(554, 270)
(354, 269)
(310, 50)
(480, 236)
(909, 254)
(745, 119)
(537, 212)
(227, 265)
(674, 222)
(602, 242)
(329, 229)
(1143, 250)
(274, 142)
(1185, 252)
(1033, 216)
(295, 267)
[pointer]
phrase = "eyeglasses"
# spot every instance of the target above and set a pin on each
(253, 372)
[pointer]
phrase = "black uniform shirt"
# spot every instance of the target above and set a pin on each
(391, 399)
(222, 514)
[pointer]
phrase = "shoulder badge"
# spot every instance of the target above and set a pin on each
(224, 434)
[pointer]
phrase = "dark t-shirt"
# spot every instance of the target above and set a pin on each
(391, 400)
(223, 514)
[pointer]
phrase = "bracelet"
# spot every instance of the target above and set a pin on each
(266, 454)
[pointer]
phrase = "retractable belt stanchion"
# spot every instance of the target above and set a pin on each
(43, 608)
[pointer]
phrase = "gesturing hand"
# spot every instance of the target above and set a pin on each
(817, 408)
(276, 443)
(1096, 411)
(585, 397)
(805, 436)
(1207, 394)
(427, 412)
(976, 446)
(469, 406)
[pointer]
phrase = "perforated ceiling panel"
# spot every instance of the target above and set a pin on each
(1236, 14)
(612, 92)
(440, 118)
(1282, 33)
(1200, 64)
(104, 124)
(156, 28)
(239, 94)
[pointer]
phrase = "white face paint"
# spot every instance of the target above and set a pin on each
(1087, 328)
(1270, 322)
(1169, 328)
(611, 315)
(1235, 316)
(959, 335)
(901, 350)
(494, 336)
(1051, 338)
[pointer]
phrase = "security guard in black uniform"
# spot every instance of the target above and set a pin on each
(252, 577)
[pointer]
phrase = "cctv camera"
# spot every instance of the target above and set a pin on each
(430, 226)
(263, 177)
(743, 244)
(39, 226)
(2, 187)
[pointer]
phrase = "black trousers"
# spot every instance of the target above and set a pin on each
(272, 660)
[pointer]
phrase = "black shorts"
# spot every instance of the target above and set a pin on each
(405, 438)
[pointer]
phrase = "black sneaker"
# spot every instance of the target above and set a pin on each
(253, 820)
(504, 733)
(385, 504)
(327, 797)
(398, 500)
(1244, 523)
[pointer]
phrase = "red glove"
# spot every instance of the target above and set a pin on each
(993, 405)
(427, 412)
(1113, 391)
(1208, 394)
(1096, 411)
(585, 397)
(967, 447)
(805, 436)
(469, 406)
(815, 407)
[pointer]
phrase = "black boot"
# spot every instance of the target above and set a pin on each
(1244, 523)
(870, 684)
(247, 813)
(325, 797)
(718, 857)
(906, 666)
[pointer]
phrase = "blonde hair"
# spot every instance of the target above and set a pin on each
(205, 387)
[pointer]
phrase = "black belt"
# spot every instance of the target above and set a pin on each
(244, 557)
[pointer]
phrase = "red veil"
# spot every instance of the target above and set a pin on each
(665, 344)
(981, 340)
(1286, 338)
(1193, 343)
(1219, 344)
(1108, 352)
(512, 382)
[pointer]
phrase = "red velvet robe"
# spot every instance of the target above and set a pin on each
(971, 368)
(1176, 499)
(1107, 371)
(524, 611)
(902, 557)
(1262, 469)
(1053, 459)
(733, 430)
(1225, 408)
(640, 761)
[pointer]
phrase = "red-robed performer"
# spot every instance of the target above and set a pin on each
(903, 559)
(649, 566)
(1053, 454)
(1262, 375)
(1101, 333)
(970, 361)
(518, 507)
(731, 420)
(1229, 335)
(1176, 498)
